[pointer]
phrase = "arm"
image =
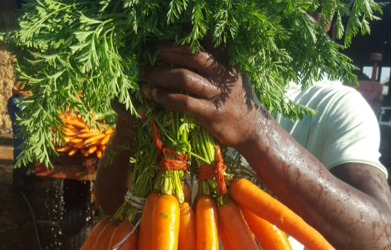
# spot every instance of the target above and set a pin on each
(349, 212)
(112, 176)
(350, 206)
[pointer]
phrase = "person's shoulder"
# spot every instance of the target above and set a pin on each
(335, 93)
(330, 88)
(323, 94)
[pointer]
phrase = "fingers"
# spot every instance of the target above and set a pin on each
(219, 52)
(201, 61)
(180, 79)
(181, 103)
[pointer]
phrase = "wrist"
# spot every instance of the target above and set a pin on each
(258, 136)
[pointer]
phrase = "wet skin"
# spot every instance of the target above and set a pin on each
(350, 205)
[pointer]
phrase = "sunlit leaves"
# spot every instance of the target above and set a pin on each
(96, 48)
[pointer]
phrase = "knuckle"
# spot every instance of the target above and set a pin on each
(188, 104)
(182, 76)
(202, 57)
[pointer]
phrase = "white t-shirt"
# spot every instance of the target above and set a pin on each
(344, 129)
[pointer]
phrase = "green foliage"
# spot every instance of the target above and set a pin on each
(66, 47)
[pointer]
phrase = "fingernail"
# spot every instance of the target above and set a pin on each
(146, 89)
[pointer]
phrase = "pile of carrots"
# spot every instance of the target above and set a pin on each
(80, 138)
(245, 217)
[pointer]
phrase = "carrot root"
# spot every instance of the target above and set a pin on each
(249, 196)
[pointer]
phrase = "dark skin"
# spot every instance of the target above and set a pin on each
(112, 177)
(350, 205)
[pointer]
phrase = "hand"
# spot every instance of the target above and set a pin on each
(317, 16)
(219, 97)
(17, 89)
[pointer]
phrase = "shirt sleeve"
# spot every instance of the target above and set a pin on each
(350, 132)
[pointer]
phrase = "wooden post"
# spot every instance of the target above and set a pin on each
(375, 58)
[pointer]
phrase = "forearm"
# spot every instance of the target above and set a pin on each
(343, 214)
(112, 176)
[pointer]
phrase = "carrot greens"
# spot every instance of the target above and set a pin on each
(67, 47)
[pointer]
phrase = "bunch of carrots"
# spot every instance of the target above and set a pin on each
(239, 215)
(247, 215)
(79, 137)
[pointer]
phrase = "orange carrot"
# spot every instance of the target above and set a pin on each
(85, 153)
(268, 235)
(249, 196)
(120, 232)
(94, 139)
(71, 127)
(76, 140)
(76, 123)
(72, 152)
(63, 149)
(68, 139)
(103, 239)
(186, 191)
(88, 134)
(106, 139)
(98, 153)
(92, 149)
(206, 224)
(144, 240)
(165, 223)
(68, 132)
(235, 226)
(86, 130)
(79, 145)
(130, 243)
(90, 241)
(225, 239)
(109, 131)
(187, 228)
